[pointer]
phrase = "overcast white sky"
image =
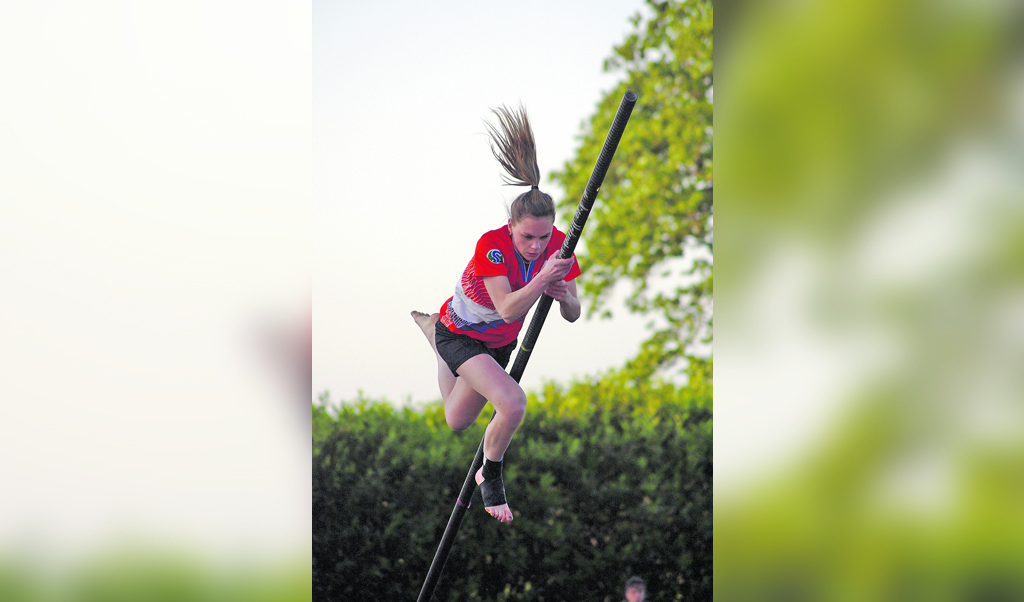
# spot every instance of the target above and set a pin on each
(404, 182)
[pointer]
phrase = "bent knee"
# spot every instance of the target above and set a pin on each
(514, 404)
(459, 423)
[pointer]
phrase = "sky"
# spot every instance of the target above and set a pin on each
(404, 182)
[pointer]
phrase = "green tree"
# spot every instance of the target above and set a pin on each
(652, 224)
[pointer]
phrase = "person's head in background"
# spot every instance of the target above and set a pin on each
(635, 589)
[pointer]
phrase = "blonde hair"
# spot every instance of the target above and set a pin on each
(513, 146)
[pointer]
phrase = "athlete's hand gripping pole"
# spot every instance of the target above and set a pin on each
(572, 237)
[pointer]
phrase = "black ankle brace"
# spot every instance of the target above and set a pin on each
(492, 470)
(492, 489)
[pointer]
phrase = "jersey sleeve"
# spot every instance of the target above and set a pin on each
(490, 257)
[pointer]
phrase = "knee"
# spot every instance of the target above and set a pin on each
(458, 423)
(514, 405)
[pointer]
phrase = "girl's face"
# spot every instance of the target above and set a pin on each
(530, 235)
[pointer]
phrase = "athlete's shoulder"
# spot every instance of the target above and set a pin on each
(498, 235)
(497, 238)
(495, 246)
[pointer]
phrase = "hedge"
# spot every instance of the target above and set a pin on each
(607, 478)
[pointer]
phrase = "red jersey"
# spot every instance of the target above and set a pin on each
(470, 311)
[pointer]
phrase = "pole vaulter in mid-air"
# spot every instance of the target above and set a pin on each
(474, 333)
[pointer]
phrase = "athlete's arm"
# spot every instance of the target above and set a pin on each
(568, 303)
(515, 305)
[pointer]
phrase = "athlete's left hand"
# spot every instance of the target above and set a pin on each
(557, 289)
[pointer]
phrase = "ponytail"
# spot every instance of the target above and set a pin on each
(513, 146)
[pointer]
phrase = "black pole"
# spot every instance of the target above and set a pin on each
(572, 237)
(611, 142)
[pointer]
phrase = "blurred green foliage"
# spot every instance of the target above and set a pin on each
(853, 524)
(129, 574)
(871, 156)
(652, 224)
(607, 478)
(833, 106)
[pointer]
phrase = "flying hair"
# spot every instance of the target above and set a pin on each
(513, 146)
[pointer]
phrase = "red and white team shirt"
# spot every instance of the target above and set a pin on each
(470, 311)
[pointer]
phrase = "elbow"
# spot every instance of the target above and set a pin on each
(571, 313)
(507, 316)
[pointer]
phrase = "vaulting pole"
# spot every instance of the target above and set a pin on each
(572, 237)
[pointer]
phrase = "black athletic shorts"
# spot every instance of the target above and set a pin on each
(456, 348)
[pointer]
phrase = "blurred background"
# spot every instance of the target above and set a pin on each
(155, 300)
(870, 348)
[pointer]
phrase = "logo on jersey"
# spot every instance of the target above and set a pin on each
(495, 256)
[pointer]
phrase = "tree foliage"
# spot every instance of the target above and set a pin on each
(652, 224)
(607, 479)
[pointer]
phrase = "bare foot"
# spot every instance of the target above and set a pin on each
(426, 323)
(501, 512)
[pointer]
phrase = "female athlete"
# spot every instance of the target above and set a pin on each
(475, 332)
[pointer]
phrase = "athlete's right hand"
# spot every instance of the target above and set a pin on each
(555, 269)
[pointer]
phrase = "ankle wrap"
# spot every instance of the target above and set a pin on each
(492, 470)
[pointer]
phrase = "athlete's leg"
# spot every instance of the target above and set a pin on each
(484, 375)
(462, 404)
(445, 378)
(481, 379)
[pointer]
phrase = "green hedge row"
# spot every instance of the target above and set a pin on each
(607, 479)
